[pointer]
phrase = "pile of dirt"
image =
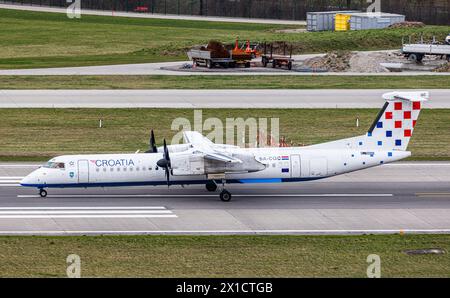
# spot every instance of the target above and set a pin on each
(217, 49)
(371, 61)
(334, 61)
(443, 68)
(407, 25)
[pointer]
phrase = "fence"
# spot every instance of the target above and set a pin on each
(428, 11)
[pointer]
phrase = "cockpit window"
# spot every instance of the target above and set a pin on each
(54, 165)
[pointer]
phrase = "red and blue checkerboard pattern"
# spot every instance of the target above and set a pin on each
(395, 127)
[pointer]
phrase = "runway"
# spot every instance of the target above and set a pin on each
(152, 15)
(273, 99)
(410, 197)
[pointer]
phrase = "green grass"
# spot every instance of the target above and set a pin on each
(37, 134)
(38, 39)
(224, 82)
(223, 256)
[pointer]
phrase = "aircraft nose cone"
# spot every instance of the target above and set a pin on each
(25, 180)
(29, 180)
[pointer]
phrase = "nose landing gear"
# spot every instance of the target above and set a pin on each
(42, 193)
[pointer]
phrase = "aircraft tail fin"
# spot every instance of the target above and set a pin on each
(394, 125)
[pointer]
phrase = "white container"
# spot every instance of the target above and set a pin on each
(365, 21)
(323, 20)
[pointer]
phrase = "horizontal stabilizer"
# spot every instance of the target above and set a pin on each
(409, 96)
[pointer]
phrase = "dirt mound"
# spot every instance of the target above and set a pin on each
(407, 25)
(217, 49)
(335, 61)
(444, 68)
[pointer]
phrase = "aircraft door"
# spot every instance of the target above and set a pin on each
(83, 171)
(295, 166)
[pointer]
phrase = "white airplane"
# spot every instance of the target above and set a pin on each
(200, 161)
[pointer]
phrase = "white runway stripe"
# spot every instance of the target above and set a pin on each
(9, 184)
(85, 212)
(11, 177)
(88, 216)
(212, 195)
(85, 208)
(19, 166)
(9, 181)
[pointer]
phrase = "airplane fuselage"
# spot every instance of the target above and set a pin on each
(281, 165)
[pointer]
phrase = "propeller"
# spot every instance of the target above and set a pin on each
(165, 162)
(152, 145)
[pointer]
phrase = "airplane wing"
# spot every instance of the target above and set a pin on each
(204, 146)
(195, 138)
(221, 157)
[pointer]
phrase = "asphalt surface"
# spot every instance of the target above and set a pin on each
(152, 16)
(205, 98)
(173, 69)
(402, 197)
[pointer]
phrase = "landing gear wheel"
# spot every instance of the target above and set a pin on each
(225, 196)
(211, 186)
(42, 193)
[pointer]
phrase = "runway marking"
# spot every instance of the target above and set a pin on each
(434, 194)
(84, 208)
(10, 181)
(38, 212)
(232, 232)
(88, 216)
(210, 196)
(19, 166)
(85, 212)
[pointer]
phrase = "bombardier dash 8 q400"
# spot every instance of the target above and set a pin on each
(200, 161)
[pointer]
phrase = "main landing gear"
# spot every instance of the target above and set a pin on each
(211, 185)
(42, 193)
(224, 195)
